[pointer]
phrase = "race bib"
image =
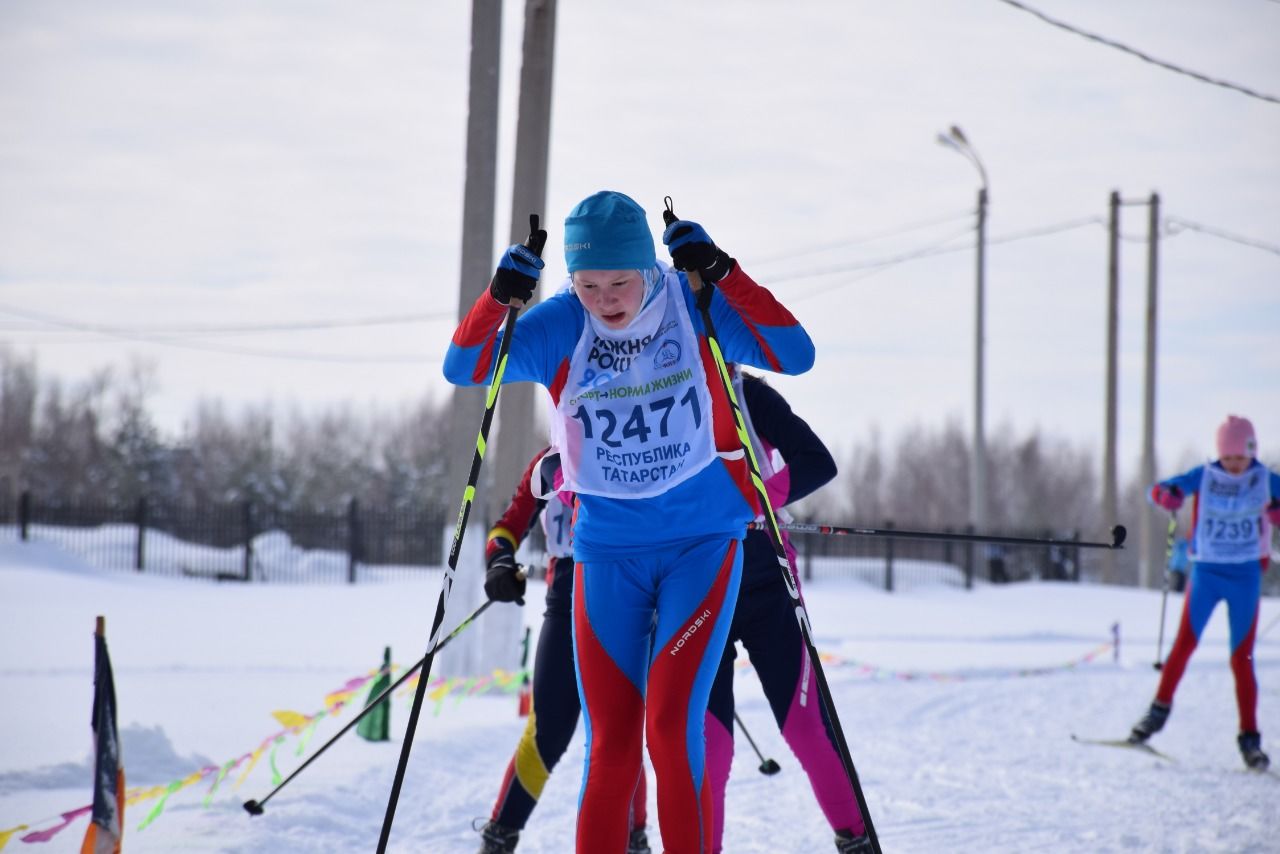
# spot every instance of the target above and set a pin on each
(557, 519)
(1231, 526)
(634, 419)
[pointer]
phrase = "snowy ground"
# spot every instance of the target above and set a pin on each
(982, 762)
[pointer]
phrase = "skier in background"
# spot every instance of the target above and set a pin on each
(649, 446)
(554, 714)
(764, 620)
(1236, 500)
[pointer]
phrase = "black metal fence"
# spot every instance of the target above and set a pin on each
(249, 542)
(238, 541)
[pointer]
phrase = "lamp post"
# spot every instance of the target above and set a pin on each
(955, 139)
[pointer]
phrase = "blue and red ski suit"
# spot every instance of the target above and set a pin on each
(1237, 582)
(656, 577)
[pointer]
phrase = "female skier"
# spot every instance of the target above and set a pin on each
(1236, 501)
(648, 445)
(765, 622)
(555, 710)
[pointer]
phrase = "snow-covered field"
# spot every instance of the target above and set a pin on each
(973, 755)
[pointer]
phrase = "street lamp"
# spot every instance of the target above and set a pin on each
(955, 139)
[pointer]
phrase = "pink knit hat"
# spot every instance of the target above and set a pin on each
(1236, 439)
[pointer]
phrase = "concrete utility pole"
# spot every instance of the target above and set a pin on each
(519, 435)
(467, 404)
(1109, 452)
(1149, 532)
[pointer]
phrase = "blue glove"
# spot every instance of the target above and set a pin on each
(692, 248)
(517, 275)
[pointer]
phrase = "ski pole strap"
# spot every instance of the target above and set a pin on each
(1118, 534)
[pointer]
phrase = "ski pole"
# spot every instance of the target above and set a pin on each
(1164, 595)
(702, 293)
(1118, 534)
(536, 240)
(255, 807)
(767, 766)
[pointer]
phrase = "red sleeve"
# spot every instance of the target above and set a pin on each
(518, 518)
(476, 336)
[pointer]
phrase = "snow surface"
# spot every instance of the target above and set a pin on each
(978, 761)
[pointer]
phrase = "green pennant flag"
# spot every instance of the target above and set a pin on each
(376, 725)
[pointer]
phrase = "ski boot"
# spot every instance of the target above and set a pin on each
(496, 839)
(1152, 722)
(1251, 750)
(847, 843)
(638, 842)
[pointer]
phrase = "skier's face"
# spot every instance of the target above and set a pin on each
(612, 296)
(1236, 464)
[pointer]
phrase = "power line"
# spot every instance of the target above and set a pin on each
(1244, 90)
(867, 238)
(872, 268)
(242, 328)
(940, 247)
(160, 341)
(1175, 224)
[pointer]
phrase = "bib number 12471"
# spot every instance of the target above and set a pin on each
(637, 425)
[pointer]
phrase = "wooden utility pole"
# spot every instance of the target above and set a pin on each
(1109, 451)
(519, 434)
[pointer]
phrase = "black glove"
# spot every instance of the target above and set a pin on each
(504, 580)
(692, 249)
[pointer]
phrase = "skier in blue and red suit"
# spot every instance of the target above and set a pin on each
(1236, 501)
(648, 443)
(554, 712)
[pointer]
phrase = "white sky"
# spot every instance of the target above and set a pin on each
(229, 163)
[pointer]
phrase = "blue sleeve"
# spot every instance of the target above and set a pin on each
(1188, 482)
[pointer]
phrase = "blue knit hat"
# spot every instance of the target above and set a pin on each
(608, 231)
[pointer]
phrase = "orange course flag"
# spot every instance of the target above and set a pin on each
(106, 827)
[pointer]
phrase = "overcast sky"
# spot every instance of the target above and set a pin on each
(167, 167)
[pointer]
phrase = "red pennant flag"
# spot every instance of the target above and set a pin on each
(106, 827)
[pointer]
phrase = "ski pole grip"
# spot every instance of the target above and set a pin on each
(537, 239)
(535, 242)
(668, 217)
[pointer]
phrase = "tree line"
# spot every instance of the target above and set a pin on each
(95, 441)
